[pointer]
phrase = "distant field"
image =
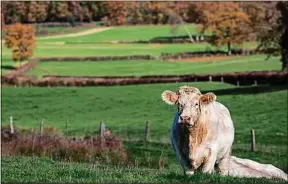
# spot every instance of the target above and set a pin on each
(140, 32)
(54, 50)
(138, 68)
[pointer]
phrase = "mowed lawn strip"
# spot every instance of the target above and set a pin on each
(145, 67)
(125, 109)
(46, 170)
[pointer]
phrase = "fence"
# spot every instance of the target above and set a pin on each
(237, 78)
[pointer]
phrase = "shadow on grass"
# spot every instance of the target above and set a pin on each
(8, 67)
(248, 90)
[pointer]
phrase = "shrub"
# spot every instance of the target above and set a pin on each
(51, 144)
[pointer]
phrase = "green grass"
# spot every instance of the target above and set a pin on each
(125, 109)
(59, 30)
(141, 32)
(45, 170)
(138, 68)
(54, 50)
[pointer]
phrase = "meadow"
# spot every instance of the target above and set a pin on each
(131, 33)
(156, 67)
(125, 109)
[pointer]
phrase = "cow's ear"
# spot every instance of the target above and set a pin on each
(207, 98)
(169, 97)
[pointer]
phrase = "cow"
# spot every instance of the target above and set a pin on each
(203, 133)
(200, 123)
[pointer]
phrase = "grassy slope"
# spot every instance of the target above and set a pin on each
(138, 68)
(125, 109)
(144, 32)
(45, 170)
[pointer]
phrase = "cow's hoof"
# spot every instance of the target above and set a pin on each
(189, 173)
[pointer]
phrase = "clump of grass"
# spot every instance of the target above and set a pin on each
(108, 150)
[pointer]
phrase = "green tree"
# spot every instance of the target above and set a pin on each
(273, 36)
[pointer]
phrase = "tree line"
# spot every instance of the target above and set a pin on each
(116, 13)
(230, 23)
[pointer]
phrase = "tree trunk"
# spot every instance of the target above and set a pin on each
(284, 60)
(284, 51)
(229, 48)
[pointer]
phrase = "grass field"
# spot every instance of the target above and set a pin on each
(51, 49)
(45, 170)
(126, 108)
(130, 33)
(138, 68)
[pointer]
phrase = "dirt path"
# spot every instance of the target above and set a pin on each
(86, 32)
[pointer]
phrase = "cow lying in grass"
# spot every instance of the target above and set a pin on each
(202, 137)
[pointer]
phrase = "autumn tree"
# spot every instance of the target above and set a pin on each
(228, 23)
(117, 12)
(21, 39)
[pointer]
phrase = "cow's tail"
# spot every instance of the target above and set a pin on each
(247, 168)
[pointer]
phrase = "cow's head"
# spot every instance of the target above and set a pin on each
(189, 101)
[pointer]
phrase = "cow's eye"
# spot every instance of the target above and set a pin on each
(196, 104)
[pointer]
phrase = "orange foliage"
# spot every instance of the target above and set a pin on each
(21, 38)
(226, 20)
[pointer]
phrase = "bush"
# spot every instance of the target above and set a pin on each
(51, 144)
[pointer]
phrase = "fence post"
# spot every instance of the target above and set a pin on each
(255, 82)
(66, 127)
(253, 143)
(11, 125)
(101, 132)
(238, 84)
(222, 79)
(210, 78)
(41, 127)
(147, 132)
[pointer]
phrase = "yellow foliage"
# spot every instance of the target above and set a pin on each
(21, 39)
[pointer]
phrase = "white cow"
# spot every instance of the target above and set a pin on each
(202, 135)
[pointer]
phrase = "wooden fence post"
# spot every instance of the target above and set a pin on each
(238, 84)
(101, 132)
(41, 127)
(147, 132)
(222, 79)
(11, 125)
(253, 143)
(102, 129)
(66, 127)
(255, 82)
(210, 78)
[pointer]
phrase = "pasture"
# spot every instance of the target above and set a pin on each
(154, 67)
(125, 109)
(131, 33)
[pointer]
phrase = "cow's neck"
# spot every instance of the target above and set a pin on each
(196, 134)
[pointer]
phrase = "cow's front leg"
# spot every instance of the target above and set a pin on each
(210, 161)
